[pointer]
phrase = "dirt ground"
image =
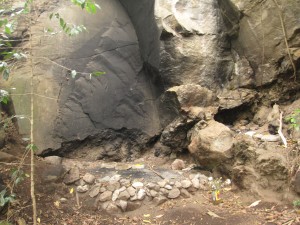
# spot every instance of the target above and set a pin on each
(191, 211)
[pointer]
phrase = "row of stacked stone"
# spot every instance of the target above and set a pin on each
(113, 192)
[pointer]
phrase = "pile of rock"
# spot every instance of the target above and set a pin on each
(115, 193)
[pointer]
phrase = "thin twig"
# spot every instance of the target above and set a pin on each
(32, 173)
(156, 172)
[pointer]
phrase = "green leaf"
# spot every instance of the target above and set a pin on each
(32, 147)
(8, 28)
(3, 22)
(91, 8)
(62, 22)
(51, 15)
(73, 73)
(98, 73)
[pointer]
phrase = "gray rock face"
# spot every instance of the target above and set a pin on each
(187, 27)
(257, 27)
(103, 107)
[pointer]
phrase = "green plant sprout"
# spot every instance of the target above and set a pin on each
(294, 119)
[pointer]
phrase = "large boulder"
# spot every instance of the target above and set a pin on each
(194, 44)
(211, 144)
(68, 110)
(255, 42)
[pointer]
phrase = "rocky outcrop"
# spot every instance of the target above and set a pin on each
(67, 109)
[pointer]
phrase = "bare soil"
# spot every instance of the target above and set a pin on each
(195, 210)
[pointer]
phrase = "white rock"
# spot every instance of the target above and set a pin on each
(105, 196)
(82, 189)
(122, 189)
(174, 193)
(116, 177)
(115, 195)
(141, 194)
(137, 185)
(162, 183)
(131, 191)
(113, 185)
(178, 184)
(168, 187)
(125, 182)
(94, 191)
(196, 183)
(102, 189)
(186, 183)
(89, 178)
(178, 164)
(124, 195)
(153, 193)
(122, 204)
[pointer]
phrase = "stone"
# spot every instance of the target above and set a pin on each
(115, 195)
(82, 189)
(162, 183)
(178, 164)
(137, 185)
(168, 187)
(270, 138)
(178, 184)
(55, 160)
(186, 183)
(105, 196)
(95, 190)
(131, 191)
(113, 185)
(63, 200)
(159, 200)
(89, 178)
(134, 198)
(103, 189)
(230, 99)
(153, 193)
(141, 194)
(174, 193)
(260, 118)
(150, 185)
(124, 195)
(196, 183)
(184, 193)
(5, 157)
(103, 180)
(123, 188)
(125, 182)
(211, 144)
(131, 206)
(112, 208)
(122, 204)
(163, 191)
(72, 176)
(116, 177)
